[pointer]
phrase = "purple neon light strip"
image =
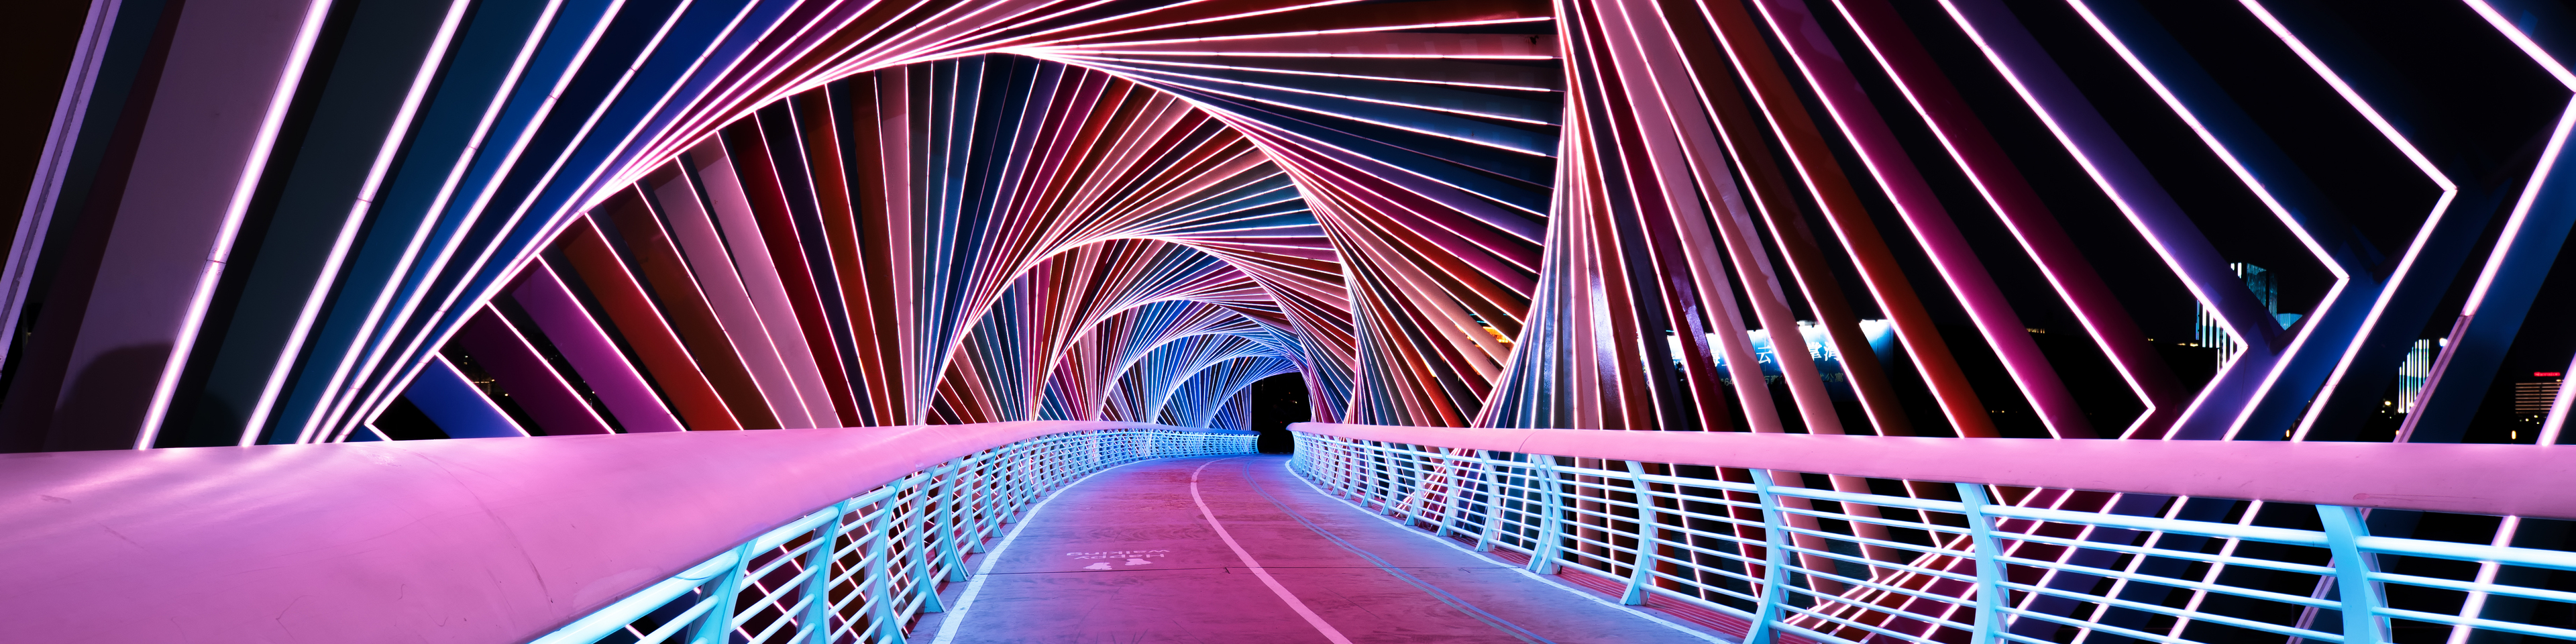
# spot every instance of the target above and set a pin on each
(704, 251)
(444, 326)
(2356, 278)
(766, 290)
(2005, 190)
(1663, 156)
(219, 253)
(531, 382)
(591, 352)
(351, 223)
(368, 357)
(1849, 105)
(2126, 181)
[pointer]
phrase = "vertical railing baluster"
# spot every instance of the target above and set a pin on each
(1322, 457)
(1990, 563)
(1647, 541)
(1403, 482)
(881, 571)
(991, 478)
(1006, 486)
(1429, 481)
(1775, 563)
(1399, 460)
(1493, 502)
(716, 625)
(1543, 555)
(944, 520)
(991, 495)
(1380, 476)
(1319, 455)
(2344, 528)
(1345, 453)
(1369, 453)
(818, 577)
(1354, 471)
(1419, 492)
(916, 547)
(1459, 494)
(1354, 457)
(1357, 469)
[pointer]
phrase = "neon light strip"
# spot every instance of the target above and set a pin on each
(339, 254)
(1515, 119)
(482, 201)
(1175, 5)
(1321, 32)
(2405, 266)
(253, 169)
(1271, 70)
(1069, 51)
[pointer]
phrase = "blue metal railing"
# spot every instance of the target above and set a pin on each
(862, 569)
(1774, 555)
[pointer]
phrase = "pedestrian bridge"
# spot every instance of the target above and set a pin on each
(1123, 532)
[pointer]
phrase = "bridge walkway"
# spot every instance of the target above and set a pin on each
(1129, 556)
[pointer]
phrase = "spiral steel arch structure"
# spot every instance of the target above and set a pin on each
(286, 221)
(306, 221)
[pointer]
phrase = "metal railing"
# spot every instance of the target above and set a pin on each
(1852, 556)
(889, 549)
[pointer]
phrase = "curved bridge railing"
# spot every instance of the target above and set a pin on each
(678, 536)
(1788, 537)
(862, 569)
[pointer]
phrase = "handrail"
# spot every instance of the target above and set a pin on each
(1776, 537)
(2514, 480)
(864, 568)
(469, 540)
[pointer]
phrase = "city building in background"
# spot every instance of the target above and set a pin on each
(2210, 330)
(2412, 374)
(2533, 396)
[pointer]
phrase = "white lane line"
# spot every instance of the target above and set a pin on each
(1282, 591)
(955, 619)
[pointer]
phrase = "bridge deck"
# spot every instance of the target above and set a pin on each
(1129, 556)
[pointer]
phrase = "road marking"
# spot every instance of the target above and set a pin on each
(1282, 591)
(955, 619)
(1120, 554)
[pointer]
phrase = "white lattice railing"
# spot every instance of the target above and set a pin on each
(1870, 554)
(890, 548)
